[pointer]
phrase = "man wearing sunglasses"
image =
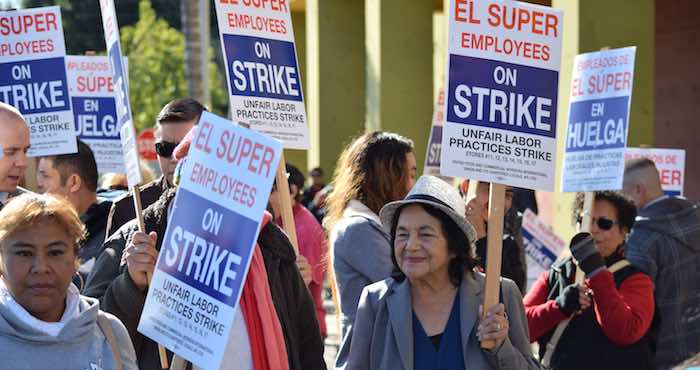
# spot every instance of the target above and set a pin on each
(665, 243)
(173, 122)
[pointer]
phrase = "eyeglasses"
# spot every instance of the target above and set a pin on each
(165, 148)
(603, 223)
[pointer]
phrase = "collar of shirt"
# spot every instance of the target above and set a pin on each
(657, 200)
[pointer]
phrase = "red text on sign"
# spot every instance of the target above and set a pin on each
(522, 19)
(670, 177)
(276, 5)
(603, 83)
(93, 84)
(27, 23)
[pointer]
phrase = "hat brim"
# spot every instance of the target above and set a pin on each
(387, 213)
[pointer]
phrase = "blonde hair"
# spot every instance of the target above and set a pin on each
(32, 209)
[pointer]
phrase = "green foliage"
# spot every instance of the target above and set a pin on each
(156, 55)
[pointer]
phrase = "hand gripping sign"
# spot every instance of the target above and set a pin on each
(501, 105)
(33, 77)
(208, 245)
(95, 108)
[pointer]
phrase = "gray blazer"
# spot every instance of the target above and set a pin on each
(382, 335)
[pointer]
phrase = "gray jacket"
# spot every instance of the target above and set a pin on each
(665, 243)
(361, 256)
(80, 344)
(382, 336)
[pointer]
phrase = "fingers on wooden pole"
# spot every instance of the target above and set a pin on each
(494, 251)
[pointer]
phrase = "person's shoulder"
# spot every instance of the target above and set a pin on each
(357, 227)
(381, 290)
(275, 243)
(126, 197)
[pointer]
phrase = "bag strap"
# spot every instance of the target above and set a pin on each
(106, 328)
(554, 340)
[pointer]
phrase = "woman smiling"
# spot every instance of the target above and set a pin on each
(426, 316)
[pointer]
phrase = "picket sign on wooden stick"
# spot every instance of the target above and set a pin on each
(286, 204)
(142, 227)
(494, 250)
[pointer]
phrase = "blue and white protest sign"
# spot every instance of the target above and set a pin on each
(120, 80)
(501, 99)
(33, 77)
(432, 157)
(596, 134)
(211, 235)
(669, 162)
(262, 70)
(542, 246)
(95, 109)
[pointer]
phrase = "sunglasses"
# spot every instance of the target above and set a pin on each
(603, 223)
(165, 148)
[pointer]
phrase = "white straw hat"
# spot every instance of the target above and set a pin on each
(437, 193)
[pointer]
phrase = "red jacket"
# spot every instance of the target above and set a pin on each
(624, 315)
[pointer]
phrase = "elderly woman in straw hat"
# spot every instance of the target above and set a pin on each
(44, 322)
(426, 316)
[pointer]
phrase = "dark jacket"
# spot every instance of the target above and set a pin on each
(665, 243)
(95, 221)
(18, 191)
(123, 208)
(118, 295)
(512, 266)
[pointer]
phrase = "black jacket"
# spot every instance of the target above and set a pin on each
(512, 266)
(295, 308)
(95, 221)
(123, 208)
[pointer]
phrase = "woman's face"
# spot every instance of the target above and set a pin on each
(412, 169)
(420, 246)
(38, 268)
(606, 241)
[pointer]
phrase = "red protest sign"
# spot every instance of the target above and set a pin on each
(147, 145)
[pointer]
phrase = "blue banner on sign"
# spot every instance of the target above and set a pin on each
(95, 118)
(208, 247)
(434, 149)
(35, 86)
(597, 124)
(262, 67)
(502, 95)
(537, 250)
(121, 84)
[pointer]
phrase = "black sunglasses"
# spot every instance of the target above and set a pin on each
(603, 223)
(165, 148)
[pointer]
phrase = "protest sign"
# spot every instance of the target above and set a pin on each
(502, 86)
(95, 110)
(261, 69)
(596, 134)
(542, 246)
(33, 77)
(432, 157)
(669, 162)
(208, 244)
(120, 81)
(147, 145)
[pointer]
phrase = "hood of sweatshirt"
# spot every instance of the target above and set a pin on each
(675, 217)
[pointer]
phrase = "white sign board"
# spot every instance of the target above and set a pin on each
(94, 106)
(501, 97)
(262, 70)
(120, 80)
(208, 245)
(596, 134)
(542, 246)
(669, 162)
(432, 157)
(33, 77)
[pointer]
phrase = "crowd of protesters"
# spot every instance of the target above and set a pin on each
(404, 257)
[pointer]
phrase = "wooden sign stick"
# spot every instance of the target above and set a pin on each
(494, 250)
(142, 227)
(286, 204)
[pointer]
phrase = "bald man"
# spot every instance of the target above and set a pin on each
(14, 143)
(665, 243)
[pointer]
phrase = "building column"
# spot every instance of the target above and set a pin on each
(293, 156)
(399, 71)
(589, 26)
(335, 65)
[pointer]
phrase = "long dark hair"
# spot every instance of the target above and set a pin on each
(457, 244)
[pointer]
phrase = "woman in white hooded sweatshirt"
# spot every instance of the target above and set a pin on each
(44, 322)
